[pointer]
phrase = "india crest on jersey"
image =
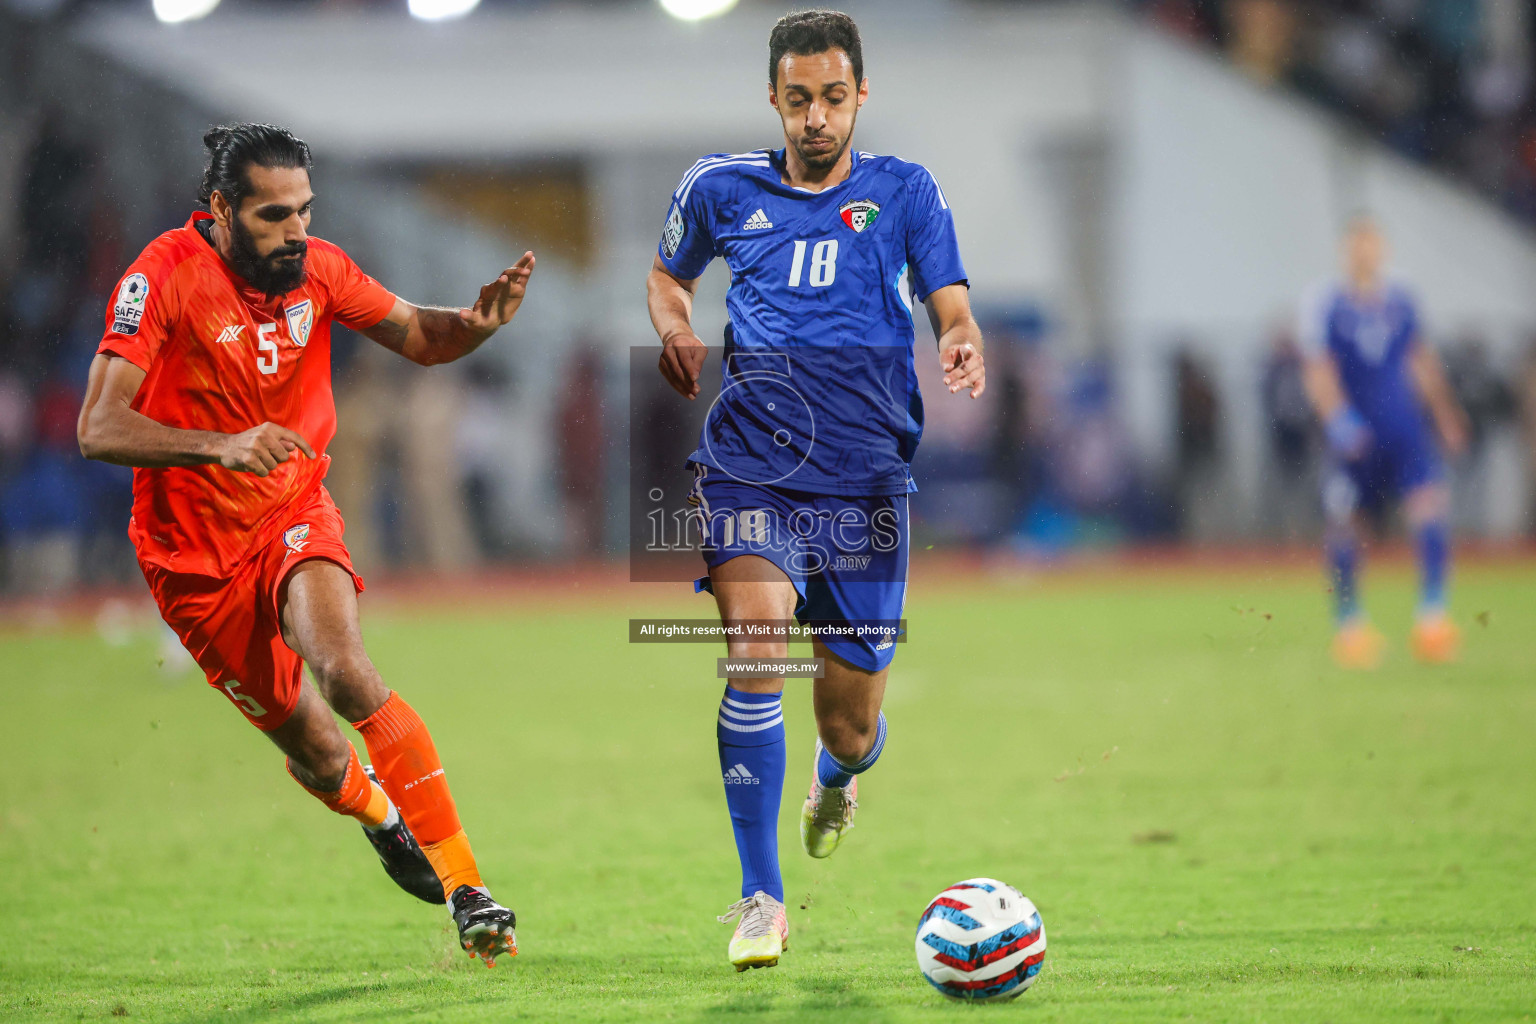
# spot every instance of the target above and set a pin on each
(301, 317)
(859, 214)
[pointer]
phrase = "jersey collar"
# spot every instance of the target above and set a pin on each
(777, 159)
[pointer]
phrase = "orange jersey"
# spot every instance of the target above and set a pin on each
(221, 357)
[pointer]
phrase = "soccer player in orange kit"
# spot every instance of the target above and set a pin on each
(213, 380)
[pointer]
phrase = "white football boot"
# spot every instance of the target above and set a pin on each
(762, 933)
(828, 813)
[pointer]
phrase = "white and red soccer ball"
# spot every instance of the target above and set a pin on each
(980, 939)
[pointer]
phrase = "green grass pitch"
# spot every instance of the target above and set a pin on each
(1215, 823)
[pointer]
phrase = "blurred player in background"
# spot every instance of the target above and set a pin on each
(802, 473)
(213, 380)
(1383, 398)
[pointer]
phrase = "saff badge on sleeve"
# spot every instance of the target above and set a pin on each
(128, 310)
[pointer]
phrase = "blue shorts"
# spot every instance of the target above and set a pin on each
(1392, 467)
(846, 556)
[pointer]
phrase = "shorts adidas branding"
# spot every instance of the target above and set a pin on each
(757, 222)
(740, 776)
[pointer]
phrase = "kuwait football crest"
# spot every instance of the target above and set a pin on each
(301, 317)
(859, 214)
(296, 538)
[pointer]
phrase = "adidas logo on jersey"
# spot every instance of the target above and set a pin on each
(230, 333)
(757, 222)
(740, 776)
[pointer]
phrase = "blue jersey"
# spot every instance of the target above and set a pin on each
(1370, 341)
(819, 392)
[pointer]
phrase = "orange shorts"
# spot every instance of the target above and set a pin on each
(233, 627)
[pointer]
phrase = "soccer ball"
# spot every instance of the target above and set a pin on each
(980, 939)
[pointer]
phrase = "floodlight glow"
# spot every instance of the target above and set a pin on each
(693, 10)
(173, 11)
(441, 10)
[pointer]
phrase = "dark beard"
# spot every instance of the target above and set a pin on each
(270, 275)
(825, 161)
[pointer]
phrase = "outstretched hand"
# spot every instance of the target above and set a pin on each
(499, 300)
(963, 368)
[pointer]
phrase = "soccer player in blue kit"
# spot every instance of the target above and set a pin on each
(1378, 387)
(801, 475)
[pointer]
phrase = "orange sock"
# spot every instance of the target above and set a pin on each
(408, 767)
(358, 797)
(454, 862)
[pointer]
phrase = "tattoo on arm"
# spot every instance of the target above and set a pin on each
(447, 336)
(440, 325)
(429, 335)
(390, 334)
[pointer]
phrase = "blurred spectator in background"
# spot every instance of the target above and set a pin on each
(53, 503)
(1449, 82)
(1198, 480)
(482, 433)
(959, 499)
(1195, 20)
(1489, 402)
(61, 520)
(393, 472)
(1263, 37)
(1289, 503)
(1527, 397)
(1093, 460)
(581, 452)
(1015, 456)
(363, 395)
(437, 531)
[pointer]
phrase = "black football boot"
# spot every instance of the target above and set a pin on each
(402, 857)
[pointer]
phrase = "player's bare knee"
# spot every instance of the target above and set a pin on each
(349, 682)
(320, 761)
(758, 649)
(846, 740)
(337, 669)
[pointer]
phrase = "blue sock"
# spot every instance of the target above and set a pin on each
(1343, 556)
(832, 772)
(1434, 561)
(751, 739)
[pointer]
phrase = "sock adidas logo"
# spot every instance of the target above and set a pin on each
(741, 776)
(757, 222)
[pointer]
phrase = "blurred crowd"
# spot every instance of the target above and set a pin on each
(62, 519)
(433, 469)
(1047, 462)
(1447, 82)
(456, 468)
